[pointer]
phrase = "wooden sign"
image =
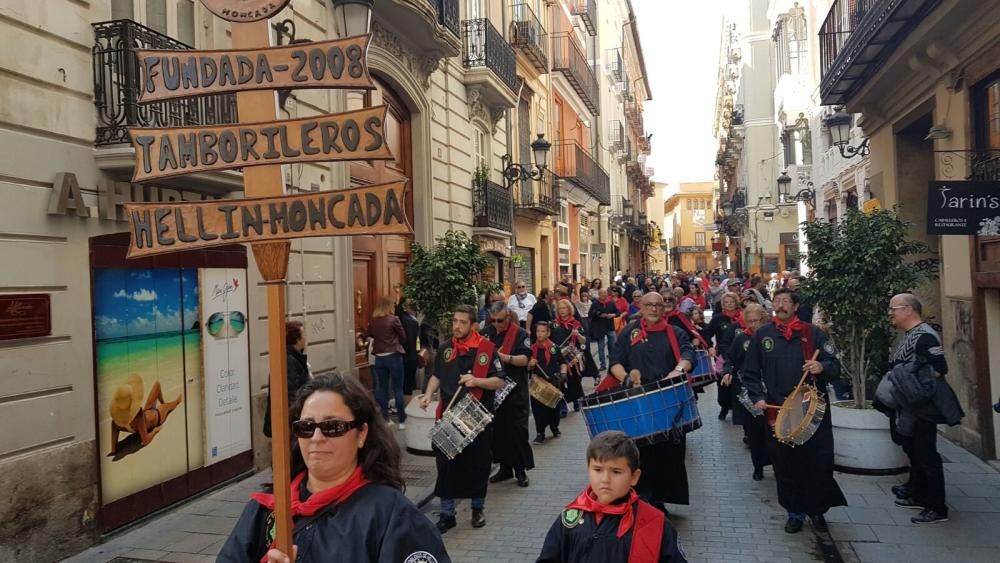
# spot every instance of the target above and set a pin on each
(169, 74)
(242, 11)
(173, 151)
(25, 316)
(170, 227)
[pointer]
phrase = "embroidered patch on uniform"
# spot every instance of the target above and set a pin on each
(527, 342)
(767, 343)
(829, 349)
(269, 525)
(420, 557)
(552, 350)
(746, 345)
(483, 360)
(635, 334)
(447, 355)
(572, 517)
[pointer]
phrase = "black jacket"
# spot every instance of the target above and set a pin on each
(412, 329)
(298, 375)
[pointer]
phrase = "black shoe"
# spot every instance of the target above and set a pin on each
(539, 439)
(746, 440)
(556, 433)
(910, 504)
(902, 491)
(819, 524)
(502, 475)
(758, 475)
(522, 479)
(576, 405)
(793, 526)
(478, 519)
(929, 517)
(446, 522)
(723, 413)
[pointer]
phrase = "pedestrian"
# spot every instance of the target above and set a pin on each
(608, 522)
(548, 363)
(807, 308)
(510, 425)
(651, 349)
(633, 307)
(568, 334)
(754, 424)
(297, 367)
(347, 499)
(773, 285)
(583, 302)
(914, 425)
(521, 303)
(540, 311)
(602, 331)
(467, 361)
(778, 354)
(722, 330)
(386, 335)
(411, 358)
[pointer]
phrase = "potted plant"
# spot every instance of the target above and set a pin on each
(856, 266)
(437, 280)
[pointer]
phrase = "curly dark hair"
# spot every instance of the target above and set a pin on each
(379, 458)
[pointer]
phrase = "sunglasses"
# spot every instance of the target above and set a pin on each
(217, 321)
(498, 321)
(331, 428)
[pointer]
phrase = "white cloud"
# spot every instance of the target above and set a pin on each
(139, 295)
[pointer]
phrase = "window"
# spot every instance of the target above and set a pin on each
(480, 147)
(476, 10)
(791, 43)
(796, 143)
(122, 10)
(699, 240)
(690, 204)
(185, 21)
(563, 228)
(156, 15)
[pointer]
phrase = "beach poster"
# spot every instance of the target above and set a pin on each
(226, 352)
(147, 349)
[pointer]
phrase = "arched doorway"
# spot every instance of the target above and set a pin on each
(379, 264)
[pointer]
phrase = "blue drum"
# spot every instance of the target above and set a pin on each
(651, 413)
(702, 372)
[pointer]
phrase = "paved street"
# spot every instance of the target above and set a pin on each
(731, 518)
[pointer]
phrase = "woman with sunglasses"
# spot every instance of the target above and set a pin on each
(347, 500)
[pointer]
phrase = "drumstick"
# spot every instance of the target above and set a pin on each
(805, 373)
(453, 397)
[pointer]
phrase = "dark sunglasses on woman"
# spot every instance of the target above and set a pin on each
(332, 428)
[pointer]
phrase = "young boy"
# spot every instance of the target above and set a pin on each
(608, 523)
(548, 363)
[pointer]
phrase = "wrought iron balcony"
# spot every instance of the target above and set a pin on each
(491, 206)
(627, 152)
(616, 135)
(116, 86)
(569, 59)
(573, 164)
(447, 11)
(737, 115)
(858, 36)
(633, 116)
(616, 65)
(537, 197)
(587, 10)
(486, 49)
(528, 35)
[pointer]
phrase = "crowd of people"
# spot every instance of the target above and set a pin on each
(757, 335)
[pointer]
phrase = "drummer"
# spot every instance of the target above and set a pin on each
(548, 363)
(467, 360)
(567, 332)
(754, 427)
(778, 354)
(656, 350)
(723, 328)
(510, 425)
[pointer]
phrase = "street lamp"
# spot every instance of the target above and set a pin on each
(352, 17)
(839, 125)
(514, 172)
(784, 181)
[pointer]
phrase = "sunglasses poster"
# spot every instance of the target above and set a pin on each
(226, 351)
(149, 377)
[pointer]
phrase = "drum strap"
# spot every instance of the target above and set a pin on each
(508, 339)
(693, 330)
(480, 369)
(647, 534)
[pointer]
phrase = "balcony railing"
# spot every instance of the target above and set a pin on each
(568, 58)
(587, 10)
(616, 135)
(527, 34)
(575, 165)
(116, 86)
(633, 116)
(616, 65)
(448, 15)
(486, 48)
(538, 196)
(858, 36)
(491, 206)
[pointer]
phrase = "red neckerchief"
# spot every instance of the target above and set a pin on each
(746, 330)
(544, 345)
(646, 524)
(661, 326)
(316, 501)
(569, 324)
(788, 330)
(463, 347)
(622, 305)
(508, 338)
(736, 316)
(688, 325)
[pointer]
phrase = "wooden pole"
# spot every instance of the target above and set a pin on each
(272, 261)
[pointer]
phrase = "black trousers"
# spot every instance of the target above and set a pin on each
(804, 474)
(756, 430)
(545, 417)
(926, 469)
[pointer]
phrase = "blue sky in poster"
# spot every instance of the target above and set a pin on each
(135, 303)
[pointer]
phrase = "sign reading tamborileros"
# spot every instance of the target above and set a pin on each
(172, 151)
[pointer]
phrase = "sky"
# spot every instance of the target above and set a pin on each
(141, 302)
(680, 44)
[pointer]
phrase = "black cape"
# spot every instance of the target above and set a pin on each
(510, 425)
(376, 524)
(589, 542)
(467, 475)
(574, 383)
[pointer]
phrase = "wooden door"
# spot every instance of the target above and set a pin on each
(380, 261)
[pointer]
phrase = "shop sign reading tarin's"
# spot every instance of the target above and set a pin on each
(338, 63)
(159, 228)
(172, 151)
(963, 208)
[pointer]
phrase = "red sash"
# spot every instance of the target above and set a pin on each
(508, 339)
(610, 381)
(688, 325)
(480, 369)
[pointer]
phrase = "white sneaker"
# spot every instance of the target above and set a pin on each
(402, 426)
